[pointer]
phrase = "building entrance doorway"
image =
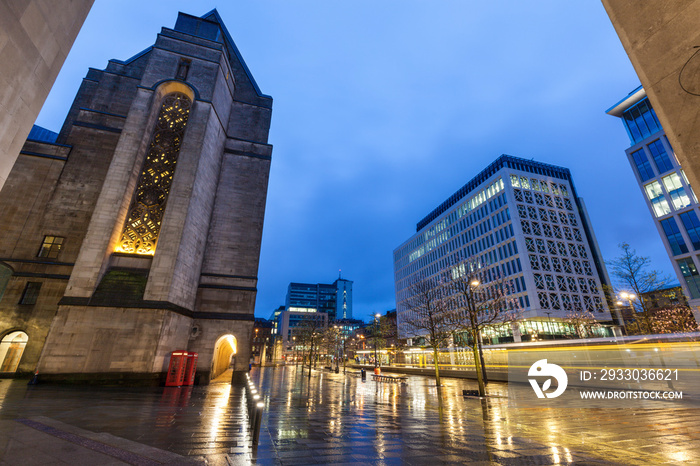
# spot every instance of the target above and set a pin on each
(11, 349)
(224, 352)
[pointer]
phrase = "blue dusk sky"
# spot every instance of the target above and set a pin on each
(382, 110)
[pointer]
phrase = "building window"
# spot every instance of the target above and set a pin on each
(675, 189)
(5, 275)
(183, 68)
(692, 194)
(692, 227)
(12, 347)
(51, 247)
(641, 121)
(31, 293)
(692, 278)
(660, 156)
(140, 234)
(643, 166)
(657, 199)
(673, 234)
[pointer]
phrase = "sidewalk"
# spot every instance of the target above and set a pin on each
(42, 440)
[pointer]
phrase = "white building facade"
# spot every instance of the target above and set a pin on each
(521, 220)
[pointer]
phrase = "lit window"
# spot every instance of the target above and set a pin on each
(657, 199)
(142, 227)
(692, 278)
(675, 189)
(51, 247)
(690, 188)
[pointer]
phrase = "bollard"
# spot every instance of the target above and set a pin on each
(258, 421)
(251, 409)
(363, 374)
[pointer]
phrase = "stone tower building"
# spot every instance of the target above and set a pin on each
(136, 230)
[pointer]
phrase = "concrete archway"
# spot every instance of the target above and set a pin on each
(11, 349)
(224, 351)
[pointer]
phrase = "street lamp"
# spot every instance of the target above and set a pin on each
(337, 332)
(294, 342)
(376, 336)
(474, 285)
(629, 297)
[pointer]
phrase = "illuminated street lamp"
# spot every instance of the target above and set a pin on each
(294, 342)
(629, 297)
(376, 337)
(474, 285)
(337, 332)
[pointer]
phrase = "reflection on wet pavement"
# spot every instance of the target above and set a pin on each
(338, 418)
(335, 418)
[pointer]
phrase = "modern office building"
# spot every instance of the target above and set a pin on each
(348, 327)
(524, 221)
(291, 321)
(136, 231)
(666, 190)
(274, 318)
(661, 40)
(334, 299)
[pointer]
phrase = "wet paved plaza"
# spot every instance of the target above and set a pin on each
(337, 418)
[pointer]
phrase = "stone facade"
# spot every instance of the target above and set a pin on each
(118, 316)
(35, 38)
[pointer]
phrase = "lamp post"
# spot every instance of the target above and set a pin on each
(257, 346)
(337, 363)
(549, 318)
(376, 337)
(294, 342)
(474, 284)
(629, 297)
(345, 356)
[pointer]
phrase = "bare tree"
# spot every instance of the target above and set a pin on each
(582, 321)
(309, 335)
(479, 299)
(381, 332)
(426, 315)
(632, 272)
(330, 340)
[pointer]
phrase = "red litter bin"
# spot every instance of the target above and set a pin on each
(176, 369)
(190, 368)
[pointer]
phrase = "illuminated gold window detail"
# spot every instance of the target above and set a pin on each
(142, 227)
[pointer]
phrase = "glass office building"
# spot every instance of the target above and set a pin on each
(521, 220)
(665, 188)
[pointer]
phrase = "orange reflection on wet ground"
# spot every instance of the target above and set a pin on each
(344, 419)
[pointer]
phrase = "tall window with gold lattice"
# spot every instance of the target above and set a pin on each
(140, 234)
